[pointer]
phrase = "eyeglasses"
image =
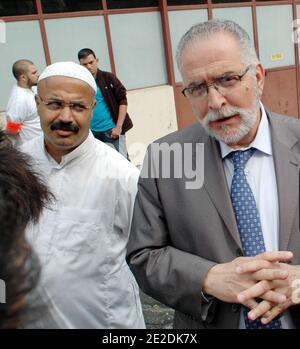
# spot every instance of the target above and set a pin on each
(225, 85)
(58, 105)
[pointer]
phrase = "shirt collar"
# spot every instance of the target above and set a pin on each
(261, 142)
(74, 154)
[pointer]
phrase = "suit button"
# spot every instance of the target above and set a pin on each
(239, 252)
(235, 308)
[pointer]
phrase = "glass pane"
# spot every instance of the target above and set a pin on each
(23, 41)
(240, 15)
(111, 4)
(16, 8)
(65, 48)
(186, 2)
(139, 54)
(181, 22)
(276, 47)
(226, 1)
(51, 6)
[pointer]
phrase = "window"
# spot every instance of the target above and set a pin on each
(186, 2)
(180, 22)
(51, 6)
(24, 40)
(276, 47)
(16, 8)
(114, 4)
(89, 31)
(222, 1)
(139, 54)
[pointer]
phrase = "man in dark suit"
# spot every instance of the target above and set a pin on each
(224, 254)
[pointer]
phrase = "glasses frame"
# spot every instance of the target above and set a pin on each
(212, 83)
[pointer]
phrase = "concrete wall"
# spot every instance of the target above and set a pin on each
(153, 114)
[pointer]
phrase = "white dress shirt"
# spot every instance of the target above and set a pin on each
(261, 176)
(81, 239)
(21, 108)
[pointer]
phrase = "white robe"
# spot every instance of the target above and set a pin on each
(81, 240)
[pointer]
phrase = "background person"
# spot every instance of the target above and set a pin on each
(21, 107)
(110, 119)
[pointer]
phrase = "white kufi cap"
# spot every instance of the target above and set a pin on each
(70, 70)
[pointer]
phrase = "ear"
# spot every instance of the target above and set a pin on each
(260, 78)
(23, 77)
(97, 60)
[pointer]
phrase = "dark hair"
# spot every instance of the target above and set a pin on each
(83, 53)
(21, 67)
(23, 196)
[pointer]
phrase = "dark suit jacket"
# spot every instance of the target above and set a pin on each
(178, 234)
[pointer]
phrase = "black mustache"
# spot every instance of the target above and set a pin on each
(65, 126)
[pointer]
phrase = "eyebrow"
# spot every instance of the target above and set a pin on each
(54, 99)
(230, 72)
(89, 62)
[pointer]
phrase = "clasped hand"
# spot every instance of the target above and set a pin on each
(267, 277)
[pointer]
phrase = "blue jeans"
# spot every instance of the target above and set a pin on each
(119, 144)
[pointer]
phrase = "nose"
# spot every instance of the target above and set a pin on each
(215, 99)
(65, 114)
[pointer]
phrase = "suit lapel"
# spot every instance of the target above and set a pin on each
(216, 186)
(287, 164)
(287, 174)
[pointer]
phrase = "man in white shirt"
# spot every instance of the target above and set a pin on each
(21, 107)
(81, 239)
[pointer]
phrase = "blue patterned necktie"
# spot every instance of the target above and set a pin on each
(248, 221)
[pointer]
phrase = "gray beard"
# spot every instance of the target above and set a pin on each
(229, 136)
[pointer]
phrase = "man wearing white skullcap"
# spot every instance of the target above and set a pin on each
(81, 239)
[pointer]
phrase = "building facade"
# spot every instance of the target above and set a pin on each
(137, 41)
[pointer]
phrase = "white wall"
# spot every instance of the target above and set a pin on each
(153, 113)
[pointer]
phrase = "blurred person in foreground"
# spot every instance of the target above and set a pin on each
(22, 198)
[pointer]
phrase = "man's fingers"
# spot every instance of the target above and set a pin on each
(271, 274)
(259, 310)
(274, 297)
(276, 256)
(264, 261)
(275, 311)
(253, 266)
(251, 303)
(254, 291)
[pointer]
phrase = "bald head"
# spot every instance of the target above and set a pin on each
(21, 67)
